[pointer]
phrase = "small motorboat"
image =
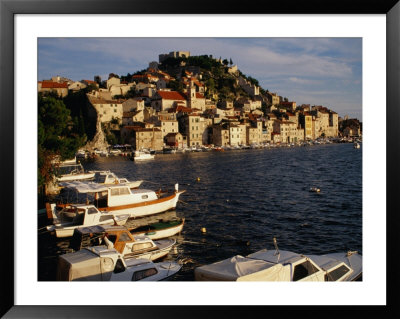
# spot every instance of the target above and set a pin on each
(315, 189)
(120, 238)
(142, 156)
(161, 229)
(72, 217)
(101, 263)
(279, 265)
(356, 145)
(101, 177)
(72, 172)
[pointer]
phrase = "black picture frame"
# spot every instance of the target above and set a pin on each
(8, 10)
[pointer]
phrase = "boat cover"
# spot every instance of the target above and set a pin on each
(240, 268)
(92, 187)
(85, 265)
(79, 265)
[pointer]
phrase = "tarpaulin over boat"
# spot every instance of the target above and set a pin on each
(240, 268)
(85, 265)
(87, 187)
(92, 187)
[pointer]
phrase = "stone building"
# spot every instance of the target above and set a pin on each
(143, 138)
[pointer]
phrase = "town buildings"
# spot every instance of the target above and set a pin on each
(150, 114)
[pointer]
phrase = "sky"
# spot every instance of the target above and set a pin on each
(316, 71)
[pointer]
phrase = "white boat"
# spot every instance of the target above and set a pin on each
(356, 145)
(88, 236)
(120, 199)
(103, 264)
(160, 229)
(72, 172)
(69, 161)
(104, 178)
(278, 265)
(76, 216)
(142, 156)
(108, 178)
(120, 238)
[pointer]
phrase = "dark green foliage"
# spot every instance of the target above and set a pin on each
(253, 81)
(58, 134)
(130, 94)
(264, 108)
(78, 104)
(203, 61)
(111, 139)
(176, 85)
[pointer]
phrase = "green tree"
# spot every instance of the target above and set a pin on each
(57, 135)
(176, 85)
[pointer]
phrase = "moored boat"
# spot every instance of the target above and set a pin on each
(161, 229)
(142, 156)
(72, 172)
(101, 177)
(279, 265)
(120, 199)
(120, 238)
(103, 264)
(76, 216)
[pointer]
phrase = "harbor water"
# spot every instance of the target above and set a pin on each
(237, 201)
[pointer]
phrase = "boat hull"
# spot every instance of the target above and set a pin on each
(161, 233)
(153, 255)
(145, 208)
(67, 231)
(67, 178)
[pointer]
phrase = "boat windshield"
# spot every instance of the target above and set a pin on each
(141, 274)
(337, 273)
(69, 169)
(100, 178)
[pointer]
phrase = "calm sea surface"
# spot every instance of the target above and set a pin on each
(244, 198)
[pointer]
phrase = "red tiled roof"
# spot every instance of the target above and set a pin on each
(181, 108)
(54, 85)
(199, 96)
(130, 127)
(89, 81)
(171, 95)
(141, 129)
